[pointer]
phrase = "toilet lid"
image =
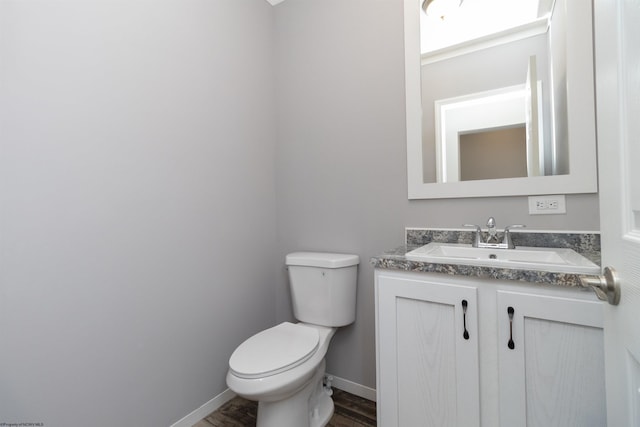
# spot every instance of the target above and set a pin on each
(274, 350)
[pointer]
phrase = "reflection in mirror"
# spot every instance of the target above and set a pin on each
(447, 23)
(517, 62)
(458, 103)
(508, 114)
(535, 144)
(483, 154)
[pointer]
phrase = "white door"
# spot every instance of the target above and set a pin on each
(617, 38)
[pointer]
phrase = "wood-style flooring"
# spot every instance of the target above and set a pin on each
(350, 411)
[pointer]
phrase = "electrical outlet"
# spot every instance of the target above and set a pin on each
(547, 205)
(542, 205)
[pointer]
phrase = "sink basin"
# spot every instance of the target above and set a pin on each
(555, 260)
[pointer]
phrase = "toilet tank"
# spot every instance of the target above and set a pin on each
(323, 287)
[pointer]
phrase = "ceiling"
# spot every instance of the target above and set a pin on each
(477, 18)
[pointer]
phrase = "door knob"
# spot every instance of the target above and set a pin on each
(606, 286)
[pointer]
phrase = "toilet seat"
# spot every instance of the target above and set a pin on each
(274, 350)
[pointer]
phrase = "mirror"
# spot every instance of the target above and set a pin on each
(475, 128)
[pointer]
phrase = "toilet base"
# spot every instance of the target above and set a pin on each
(311, 406)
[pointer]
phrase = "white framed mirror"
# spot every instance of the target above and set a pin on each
(566, 154)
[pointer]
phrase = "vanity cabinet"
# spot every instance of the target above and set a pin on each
(543, 365)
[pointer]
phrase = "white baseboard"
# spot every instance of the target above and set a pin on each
(206, 409)
(354, 388)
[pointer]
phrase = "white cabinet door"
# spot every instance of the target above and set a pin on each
(427, 365)
(551, 361)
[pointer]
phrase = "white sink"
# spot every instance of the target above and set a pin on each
(555, 260)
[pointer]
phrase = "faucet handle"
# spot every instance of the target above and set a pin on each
(477, 240)
(506, 240)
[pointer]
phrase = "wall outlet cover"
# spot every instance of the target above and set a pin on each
(547, 205)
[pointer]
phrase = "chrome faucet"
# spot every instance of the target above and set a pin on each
(491, 230)
(492, 236)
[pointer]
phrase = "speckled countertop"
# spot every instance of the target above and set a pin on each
(586, 244)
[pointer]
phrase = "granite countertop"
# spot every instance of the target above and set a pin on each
(587, 244)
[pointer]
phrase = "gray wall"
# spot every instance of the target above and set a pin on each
(137, 166)
(341, 173)
(341, 156)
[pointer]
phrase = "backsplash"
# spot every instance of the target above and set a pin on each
(586, 244)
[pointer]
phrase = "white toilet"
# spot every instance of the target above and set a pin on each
(283, 367)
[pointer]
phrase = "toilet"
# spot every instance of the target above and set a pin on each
(283, 367)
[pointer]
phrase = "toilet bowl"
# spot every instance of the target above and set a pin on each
(287, 378)
(283, 367)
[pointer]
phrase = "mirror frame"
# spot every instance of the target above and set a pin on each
(580, 115)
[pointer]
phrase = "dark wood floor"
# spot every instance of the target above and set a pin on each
(350, 411)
